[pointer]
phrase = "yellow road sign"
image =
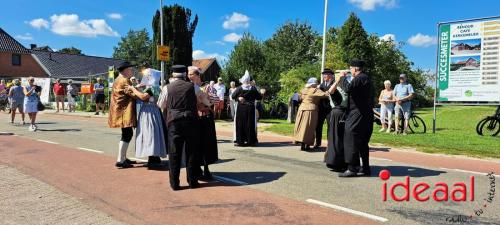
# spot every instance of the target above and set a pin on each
(163, 52)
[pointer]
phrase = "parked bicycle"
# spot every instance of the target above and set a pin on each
(489, 125)
(416, 124)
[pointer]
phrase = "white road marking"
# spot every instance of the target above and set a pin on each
(138, 160)
(50, 142)
(381, 159)
(91, 150)
(468, 171)
(230, 180)
(358, 213)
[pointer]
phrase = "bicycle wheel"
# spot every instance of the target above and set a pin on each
(478, 126)
(491, 127)
(417, 125)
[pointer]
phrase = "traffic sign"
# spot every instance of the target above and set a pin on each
(163, 52)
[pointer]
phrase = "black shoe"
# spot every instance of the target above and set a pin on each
(123, 165)
(96, 113)
(338, 169)
(348, 173)
(194, 184)
(175, 187)
(307, 148)
(316, 147)
(365, 172)
(130, 161)
(154, 159)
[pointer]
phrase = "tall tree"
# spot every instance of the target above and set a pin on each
(178, 32)
(135, 47)
(248, 55)
(71, 50)
(353, 40)
(293, 44)
(333, 52)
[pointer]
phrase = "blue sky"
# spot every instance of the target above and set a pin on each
(96, 26)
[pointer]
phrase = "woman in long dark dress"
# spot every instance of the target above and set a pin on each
(208, 143)
(334, 156)
(245, 119)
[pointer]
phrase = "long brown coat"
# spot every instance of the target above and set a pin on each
(122, 109)
(307, 116)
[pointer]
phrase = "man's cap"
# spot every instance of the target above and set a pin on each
(402, 76)
(125, 65)
(327, 71)
(357, 63)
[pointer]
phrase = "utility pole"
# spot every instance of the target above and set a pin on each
(162, 43)
(324, 40)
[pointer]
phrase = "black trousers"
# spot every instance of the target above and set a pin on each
(182, 136)
(334, 156)
(322, 115)
(358, 131)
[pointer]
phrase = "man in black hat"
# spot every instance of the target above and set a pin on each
(359, 122)
(324, 106)
(181, 123)
(122, 112)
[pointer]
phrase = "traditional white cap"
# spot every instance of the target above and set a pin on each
(246, 78)
(311, 81)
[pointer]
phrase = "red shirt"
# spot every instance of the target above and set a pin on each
(59, 89)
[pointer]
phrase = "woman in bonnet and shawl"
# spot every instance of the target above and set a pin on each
(245, 121)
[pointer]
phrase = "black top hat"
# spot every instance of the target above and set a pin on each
(327, 71)
(357, 63)
(125, 65)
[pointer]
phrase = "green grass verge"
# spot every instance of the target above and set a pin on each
(455, 135)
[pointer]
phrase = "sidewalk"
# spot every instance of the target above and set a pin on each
(26, 200)
(77, 113)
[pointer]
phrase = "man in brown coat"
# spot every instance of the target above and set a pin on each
(122, 112)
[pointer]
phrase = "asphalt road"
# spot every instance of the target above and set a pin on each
(278, 168)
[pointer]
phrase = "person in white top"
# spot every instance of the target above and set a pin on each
(386, 100)
(221, 90)
(232, 102)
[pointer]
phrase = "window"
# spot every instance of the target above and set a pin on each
(16, 59)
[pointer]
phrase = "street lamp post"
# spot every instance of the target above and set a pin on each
(324, 39)
(162, 79)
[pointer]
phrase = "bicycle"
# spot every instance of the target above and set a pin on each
(490, 124)
(416, 124)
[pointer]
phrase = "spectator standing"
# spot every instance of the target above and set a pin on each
(72, 91)
(221, 91)
(232, 102)
(386, 100)
(59, 92)
(31, 93)
(99, 96)
(403, 93)
(16, 95)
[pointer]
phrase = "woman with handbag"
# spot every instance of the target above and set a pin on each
(71, 90)
(31, 102)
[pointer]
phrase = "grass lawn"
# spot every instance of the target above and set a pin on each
(455, 135)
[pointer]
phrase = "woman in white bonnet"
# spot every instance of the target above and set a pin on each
(245, 119)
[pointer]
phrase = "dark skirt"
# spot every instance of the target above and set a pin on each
(246, 133)
(208, 145)
(357, 134)
(334, 156)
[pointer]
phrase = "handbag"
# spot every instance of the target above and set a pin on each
(40, 106)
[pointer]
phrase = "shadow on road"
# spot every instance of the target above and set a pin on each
(251, 177)
(400, 171)
(379, 149)
(61, 130)
(275, 144)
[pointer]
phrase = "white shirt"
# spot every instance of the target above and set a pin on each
(221, 90)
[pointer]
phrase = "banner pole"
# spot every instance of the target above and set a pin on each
(436, 82)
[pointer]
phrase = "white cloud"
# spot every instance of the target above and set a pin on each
(388, 37)
(26, 37)
(115, 16)
(370, 5)
(232, 37)
(39, 23)
(200, 54)
(421, 40)
(237, 20)
(70, 25)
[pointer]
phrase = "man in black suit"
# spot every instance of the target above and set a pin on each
(181, 127)
(324, 105)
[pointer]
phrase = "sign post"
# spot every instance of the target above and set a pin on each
(468, 63)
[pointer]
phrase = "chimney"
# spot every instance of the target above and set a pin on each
(33, 46)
